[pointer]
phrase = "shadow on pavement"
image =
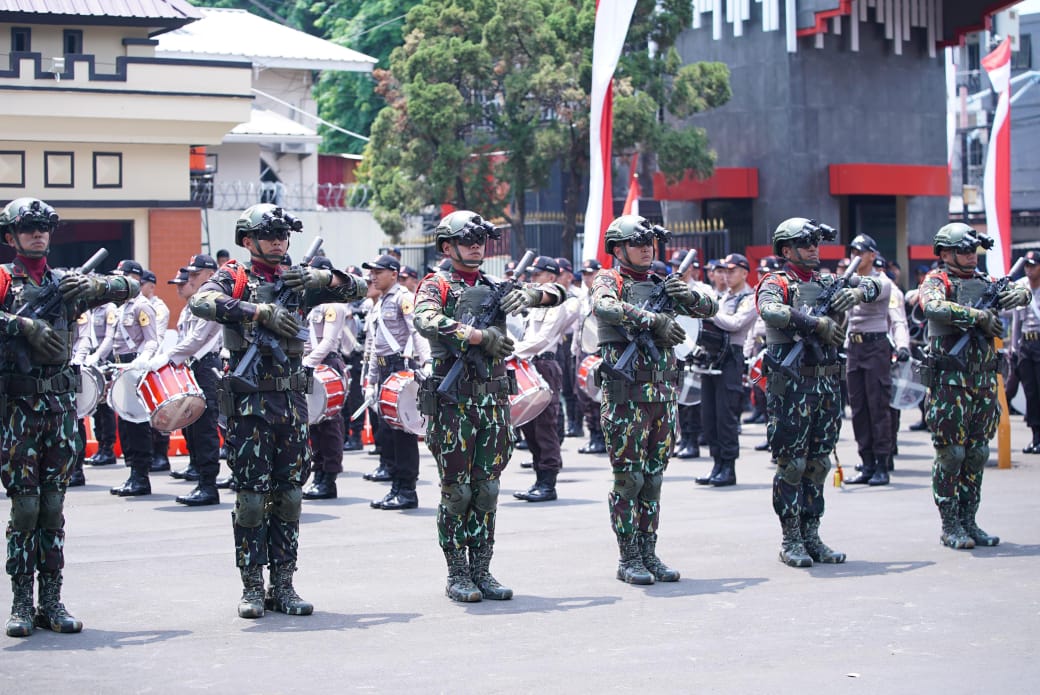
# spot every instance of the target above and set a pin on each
(861, 568)
(90, 639)
(522, 603)
(702, 587)
(323, 620)
(1007, 550)
(513, 502)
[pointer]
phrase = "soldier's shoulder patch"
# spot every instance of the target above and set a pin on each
(405, 302)
(330, 314)
(142, 319)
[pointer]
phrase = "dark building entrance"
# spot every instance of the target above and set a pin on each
(75, 241)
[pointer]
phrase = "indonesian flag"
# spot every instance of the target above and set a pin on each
(632, 201)
(612, 20)
(996, 182)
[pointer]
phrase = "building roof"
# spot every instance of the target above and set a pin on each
(225, 33)
(266, 126)
(168, 14)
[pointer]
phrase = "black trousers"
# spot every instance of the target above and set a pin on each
(542, 433)
(105, 426)
(589, 408)
(569, 381)
(720, 406)
(354, 398)
(869, 379)
(135, 437)
(202, 436)
(1028, 370)
(327, 436)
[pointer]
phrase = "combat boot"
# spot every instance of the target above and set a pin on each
(316, 477)
(136, 485)
(404, 498)
(867, 469)
(252, 603)
(104, 457)
(281, 596)
(76, 478)
(544, 490)
(881, 468)
(727, 474)
(379, 475)
(51, 613)
(1034, 447)
(648, 551)
(714, 472)
(20, 624)
(460, 585)
(395, 487)
(953, 533)
(596, 445)
(160, 463)
(792, 550)
(817, 549)
(189, 473)
(324, 489)
(479, 572)
(981, 538)
(630, 567)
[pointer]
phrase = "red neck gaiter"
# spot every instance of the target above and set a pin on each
(34, 267)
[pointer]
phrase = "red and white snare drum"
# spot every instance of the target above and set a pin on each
(172, 397)
(328, 394)
(588, 371)
(533, 394)
(123, 397)
(399, 403)
(757, 372)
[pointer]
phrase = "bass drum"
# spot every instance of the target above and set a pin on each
(399, 403)
(907, 389)
(690, 390)
(91, 388)
(533, 394)
(588, 371)
(124, 399)
(328, 394)
(589, 340)
(692, 327)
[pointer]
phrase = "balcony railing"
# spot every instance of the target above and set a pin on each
(237, 195)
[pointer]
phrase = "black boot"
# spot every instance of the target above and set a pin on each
(688, 450)
(316, 478)
(77, 479)
(764, 446)
(792, 551)
(727, 474)
(596, 445)
(574, 429)
(353, 444)
(1034, 447)
(919, 426)
(323, 489)
(953, 533)
(817, 549)
(544, 490)
(395, 487)
(379, 475)
(714, 472)
(160, 462)
(104, 457)
(51, 613)
(403, 496)
(479, 572)
(281, 596)
(881, 468)
(251, 604)
(203, 495)
(866, 470)
(223, 483)
(136, 485)
(20, 624)
(648, 551)
(630, 566)
(981, 538)
(189, 473)
(460, 586)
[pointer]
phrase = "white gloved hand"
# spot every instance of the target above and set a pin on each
(92, 359)
(371, 394)
(156, 363)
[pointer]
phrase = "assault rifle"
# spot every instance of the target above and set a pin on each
(820, 309)
(657, 302)
(485, 316)
(987, 302)
(287, 298)
(47, 303)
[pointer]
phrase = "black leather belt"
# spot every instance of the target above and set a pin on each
(867, 337)
(395, 361)
(545, 356)
(124, 358)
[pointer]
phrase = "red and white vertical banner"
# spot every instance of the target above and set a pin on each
(612, 20)
(632, 201)
(996, 182)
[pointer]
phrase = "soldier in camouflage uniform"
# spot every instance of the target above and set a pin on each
(804, 400)
(962, 406)
(38, 431)
(639, 416)
(267, 427)
(468, 429)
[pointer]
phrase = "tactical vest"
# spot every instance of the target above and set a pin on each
(21, 293)
(238, 337)
(464, 309)
(632, 292)
(963, 291)
(801, 296)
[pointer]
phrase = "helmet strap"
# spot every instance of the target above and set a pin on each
(628, 261)
(271, 259)
(27, 254)
(457, 256)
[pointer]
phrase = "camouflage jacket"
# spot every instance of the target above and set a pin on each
(945, 298)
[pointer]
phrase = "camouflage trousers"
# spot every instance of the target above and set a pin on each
(963, 421)
(268, 460)
(802, 430)
(37, 452)
(639, 439)
(472, 445)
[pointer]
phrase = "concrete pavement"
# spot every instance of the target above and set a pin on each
(156, 586)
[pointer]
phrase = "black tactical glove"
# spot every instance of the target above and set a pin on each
(902, 355)
(988, 322)
(680, 292)
(846, 298)
(277, 319)
(495, 343)
(1014, 297)
(830, 331)
(519, 299)
(307, 278)
(75, 287)
(666, 331)
(43, 339)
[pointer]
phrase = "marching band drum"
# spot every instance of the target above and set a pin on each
(533, 394)
(327, 395)
(91, 389)
(399, 403)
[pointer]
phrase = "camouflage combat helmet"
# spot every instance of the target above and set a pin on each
(26, 214)
(957, 235)
(264, 220)
(467, 227)
(795, 229)
(628, 228)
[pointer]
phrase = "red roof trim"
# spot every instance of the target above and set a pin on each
(889, 179)
(726, 182)
(820, 27)
(984, 25)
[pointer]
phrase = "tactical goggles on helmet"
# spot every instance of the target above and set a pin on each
(812, 233)
(35, 216)
(647, 236)
(276, 224)
(478, 231)
(970, 244)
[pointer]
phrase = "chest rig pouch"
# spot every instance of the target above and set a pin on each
(24, 293)
(239, 338)
(963, 291)
(634, 293)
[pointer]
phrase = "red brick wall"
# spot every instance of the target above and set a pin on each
(174, 236)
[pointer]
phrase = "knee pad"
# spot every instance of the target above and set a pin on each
(816, 470)
(249, 509)
(975, 458)
(651, 490)
(51, 504)
(791, 470)
(455, 497)
(627, 484)
(25, 512)
(950, 458)
(485, 495)
(287, 504)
